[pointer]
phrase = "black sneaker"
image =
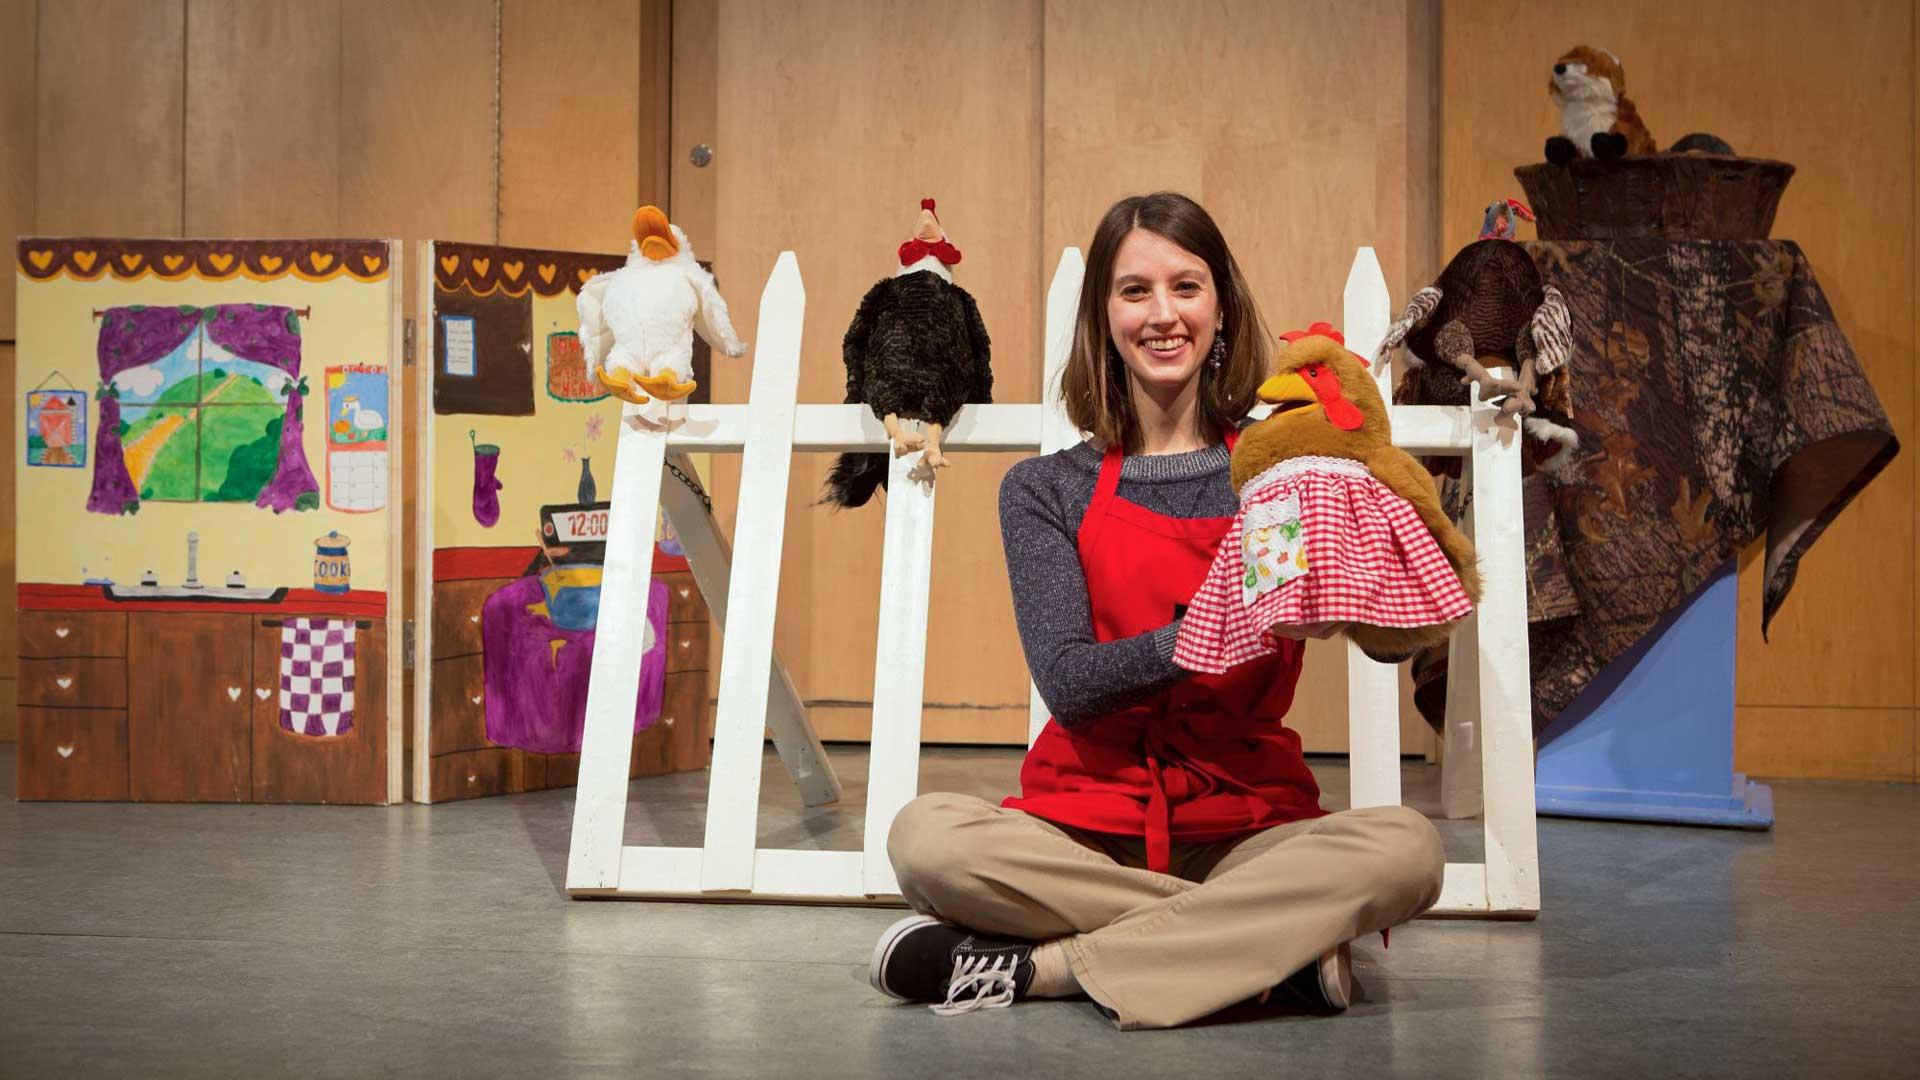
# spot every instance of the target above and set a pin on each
(1326, 985)
(921, 958)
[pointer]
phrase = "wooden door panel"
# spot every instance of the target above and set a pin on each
(190, 684)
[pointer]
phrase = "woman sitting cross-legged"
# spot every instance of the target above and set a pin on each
(1167, 855)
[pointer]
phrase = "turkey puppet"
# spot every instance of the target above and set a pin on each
(637, 322)
(1338, 531)
(916, 350)
(1489, 308)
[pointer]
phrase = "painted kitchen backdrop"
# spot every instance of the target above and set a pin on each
(518, 463)
(205, 541)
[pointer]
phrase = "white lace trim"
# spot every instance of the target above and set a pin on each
(979, 981)
(1296, 466)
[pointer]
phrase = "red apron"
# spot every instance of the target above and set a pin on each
(1204, 759)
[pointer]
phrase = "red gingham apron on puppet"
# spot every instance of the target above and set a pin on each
(1205, 759)
(1369, 559)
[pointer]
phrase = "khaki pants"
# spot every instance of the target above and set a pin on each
(1234, 917)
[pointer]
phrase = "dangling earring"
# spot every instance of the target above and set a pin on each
(1218, 354)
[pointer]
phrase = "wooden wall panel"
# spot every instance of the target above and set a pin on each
(569, 123)
(656, 103)
(263, 118)
(1830, 88)
(417, 99)
(1228, 105)
(1297, 177)
(19, 20)
(695, 117)
(109, 147)
(1829, 743)
(830, 159)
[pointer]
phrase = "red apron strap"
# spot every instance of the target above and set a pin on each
(1159, 832)
(1109, 482)
(1103, 496)
(1166, 784)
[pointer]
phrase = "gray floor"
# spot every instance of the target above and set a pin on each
(436, 941)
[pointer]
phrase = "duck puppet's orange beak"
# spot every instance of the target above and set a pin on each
(654, 237)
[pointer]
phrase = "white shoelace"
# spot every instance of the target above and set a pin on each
(990, 979)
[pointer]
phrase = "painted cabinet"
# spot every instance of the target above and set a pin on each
(186, 707)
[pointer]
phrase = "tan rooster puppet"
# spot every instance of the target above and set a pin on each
(637, 322)
(1339, 531)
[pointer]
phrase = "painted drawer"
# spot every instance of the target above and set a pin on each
(686, 647)
(73, 754)
(74, 683)
(456, 615)
(459, 705)
(684, 603)
(73, 633)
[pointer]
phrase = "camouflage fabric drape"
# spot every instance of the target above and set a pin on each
(1717, 404)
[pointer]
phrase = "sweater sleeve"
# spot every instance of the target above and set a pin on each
(1078, 677)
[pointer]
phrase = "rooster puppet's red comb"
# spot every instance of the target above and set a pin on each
(1325, 330)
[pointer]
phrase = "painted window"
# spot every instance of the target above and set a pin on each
(201, 424)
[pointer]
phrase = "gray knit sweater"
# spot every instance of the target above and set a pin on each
(1042, 501)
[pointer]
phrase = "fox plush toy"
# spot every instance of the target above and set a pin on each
(1597, 119)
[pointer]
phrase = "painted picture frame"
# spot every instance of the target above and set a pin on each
(57, 429)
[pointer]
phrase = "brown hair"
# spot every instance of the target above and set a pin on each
(1094, 382)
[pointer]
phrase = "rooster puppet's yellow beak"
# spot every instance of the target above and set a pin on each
(1286, 387)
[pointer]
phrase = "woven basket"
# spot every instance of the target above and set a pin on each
(1672, 196)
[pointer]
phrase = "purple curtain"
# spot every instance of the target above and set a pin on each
(293, 486)
(113, 490)
(263, 333)
(132, 336)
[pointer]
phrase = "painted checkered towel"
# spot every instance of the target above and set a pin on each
(1316, 541)
(316, 676)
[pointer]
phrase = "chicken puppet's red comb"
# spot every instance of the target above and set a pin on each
(1325, 330)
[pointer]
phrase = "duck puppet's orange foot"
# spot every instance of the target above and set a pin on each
(621, 385)
(663, 387)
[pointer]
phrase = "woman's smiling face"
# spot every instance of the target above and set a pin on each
(1162, 311)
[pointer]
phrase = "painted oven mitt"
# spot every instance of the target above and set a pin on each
(486, 485)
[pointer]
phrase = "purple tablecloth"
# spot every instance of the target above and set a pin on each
(536, 673)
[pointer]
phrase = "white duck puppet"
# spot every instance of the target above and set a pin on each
(637, 322)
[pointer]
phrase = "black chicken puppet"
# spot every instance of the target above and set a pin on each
(916, 350)
(1339, 531)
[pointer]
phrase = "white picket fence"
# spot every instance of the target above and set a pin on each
(1489, 739)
